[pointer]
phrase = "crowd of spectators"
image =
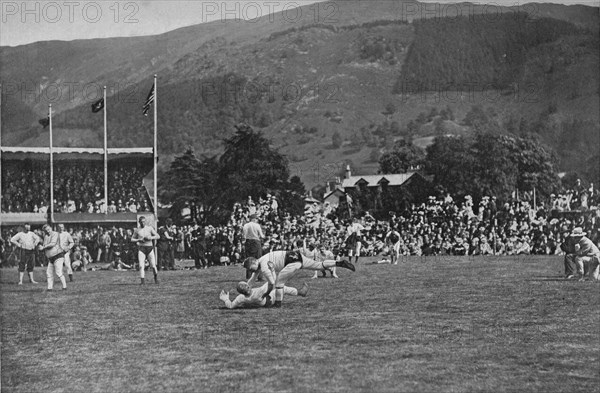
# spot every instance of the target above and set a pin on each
(78, 187)
(439, 226)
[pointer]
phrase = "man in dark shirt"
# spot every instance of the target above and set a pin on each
(164, 245)
(198, 246)
(568, 247)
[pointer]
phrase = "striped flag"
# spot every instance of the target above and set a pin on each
(98, 105)
(149, 101)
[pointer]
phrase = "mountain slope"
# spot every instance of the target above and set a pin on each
(301, 84)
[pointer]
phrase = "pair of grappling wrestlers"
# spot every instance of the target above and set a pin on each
(277, 268)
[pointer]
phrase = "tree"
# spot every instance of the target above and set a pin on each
(189, 180)
(389, 110)
(491, 164)
(447, 113)
(374, 155)
(336, 140)
(249, 167)
(476, 118)
(401, 158)
(447, 160)
(292, 196)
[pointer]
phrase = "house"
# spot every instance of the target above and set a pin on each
(382, 191)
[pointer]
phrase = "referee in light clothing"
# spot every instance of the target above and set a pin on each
(26, 241)
(253, 234)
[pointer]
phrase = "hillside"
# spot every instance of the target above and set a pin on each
(301, 84)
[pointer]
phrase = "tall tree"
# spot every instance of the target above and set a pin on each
(249, 167)
(404, 156)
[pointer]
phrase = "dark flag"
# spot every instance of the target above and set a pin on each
(149, 101)
(45, 122)
(98, 105)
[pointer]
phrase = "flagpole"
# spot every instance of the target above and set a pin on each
(105, 159)
(155, 152)
(51, 166)
(1, 199)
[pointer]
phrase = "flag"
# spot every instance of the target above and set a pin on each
(149, 101)
(98, 105)
(45, 122)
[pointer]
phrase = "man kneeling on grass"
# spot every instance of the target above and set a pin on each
(587, 256)
(258, 297)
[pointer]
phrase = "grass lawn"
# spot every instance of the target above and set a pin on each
(425, 325)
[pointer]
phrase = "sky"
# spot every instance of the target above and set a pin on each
(27, 21)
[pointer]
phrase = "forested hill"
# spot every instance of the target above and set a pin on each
(326, 93)
(454, 53)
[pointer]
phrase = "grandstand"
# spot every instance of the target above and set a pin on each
(26, 183)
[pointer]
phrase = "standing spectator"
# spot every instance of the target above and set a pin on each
(172, 229)
(253, 235)
(26, 241)
(353, 241)
(143, 237)
(180, 242)
(55, 255)
(568, 247)
(164, 245)
(66, 243)
(104, 242)
(198, 246)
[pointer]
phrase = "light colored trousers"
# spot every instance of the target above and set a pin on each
(291, 269)
(55, 267)
(68, 263)
(588, 264)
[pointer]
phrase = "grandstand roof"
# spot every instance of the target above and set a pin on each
(20, 153)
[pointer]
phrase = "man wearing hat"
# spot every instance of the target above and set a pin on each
(588, 255)
(252, 233)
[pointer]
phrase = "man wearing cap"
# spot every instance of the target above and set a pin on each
(254, 297)
(26, 241)
(252, 233)
(143, 237)
(280, 266)
(587, 256)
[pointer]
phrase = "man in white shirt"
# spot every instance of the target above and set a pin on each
(66, 243)
(253, 234)
(280, 266)
(353, 239)
(26, 241)
(254, 297)
(55, 256)
(393, 241)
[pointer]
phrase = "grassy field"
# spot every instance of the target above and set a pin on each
(425, 325)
